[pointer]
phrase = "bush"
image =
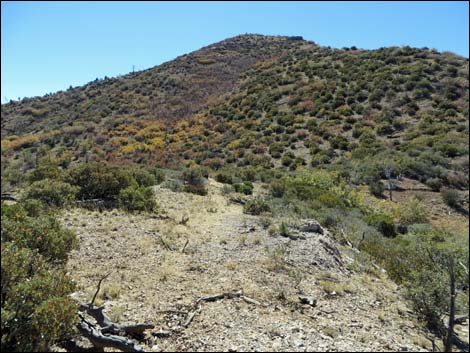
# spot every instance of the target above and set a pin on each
(33, 207)
(376, 188)
(428, 292)
(195, 181)
(159, 175)
(46, 170)
(284, 230)
(137, 199)
(413, 211)
(278, 188)
(52, 192)
(36, 308)
(383, 223)
(224, 177)
(256, 207)
(434, 183)
(97, 181)
(43, 234)
(144, 177)
(451, 197)
(244, 188)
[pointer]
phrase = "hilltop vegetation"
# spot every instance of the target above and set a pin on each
(264, 102)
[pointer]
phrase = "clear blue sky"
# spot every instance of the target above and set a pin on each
(48, 46)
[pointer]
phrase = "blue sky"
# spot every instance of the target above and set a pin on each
(48, 46)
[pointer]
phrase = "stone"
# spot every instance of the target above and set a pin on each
(311, 226)
(308, 300)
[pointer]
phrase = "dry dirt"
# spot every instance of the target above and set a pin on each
(226, 251)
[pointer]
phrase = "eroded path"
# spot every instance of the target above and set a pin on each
(227, 250)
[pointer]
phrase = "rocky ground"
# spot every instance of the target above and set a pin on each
(161, 265)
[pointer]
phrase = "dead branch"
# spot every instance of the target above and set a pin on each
(191, 316)
(6, 196)
(98, 288)
(461, 320)
(165, 244)
(101, 340)
(184, 247)
(184, 220)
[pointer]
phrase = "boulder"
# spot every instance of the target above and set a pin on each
(311, 226)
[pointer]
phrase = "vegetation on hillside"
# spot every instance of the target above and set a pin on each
(316, 125)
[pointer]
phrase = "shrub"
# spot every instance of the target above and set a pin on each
(383, 223)
(195, 181)
(98, 181)
(174, 185)
(144, 177)
(413, 211)
(428, 293)
(159, 175)
(284, 229)
(244, 188)
(256, 207)
(33, 207)
(46, 170)
(278, 188)
(36, 308)
(137, 199)
(434, 183)
(43, 234)
(376, 188)
(451, 197)
(52, 192)
(224, 177)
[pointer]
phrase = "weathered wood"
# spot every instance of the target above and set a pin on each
(191, 317)
(184, 247)
(98, 288)
(100, 340)
(107, 326)
(460, 320)
(6, 196)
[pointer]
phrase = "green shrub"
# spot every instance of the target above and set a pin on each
(33, 207)
(159, 175)
(97, 181)
(137, 199)
(144, 177)
(256, 207)
(244, 188)
(43, 233)
(36, 308)
(52, 192)
(224, 177)
(451, 197)
(429, 295)
(383, 223)
(413, 211)
(195, 181)
(278, 188)
(46, 170)
(434, 183)
(284, 230)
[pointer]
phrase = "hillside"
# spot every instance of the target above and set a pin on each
(262, 193)
(267, 102)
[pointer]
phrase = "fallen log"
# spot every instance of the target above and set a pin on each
(100, 340)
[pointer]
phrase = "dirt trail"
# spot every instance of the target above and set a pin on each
(228, 250)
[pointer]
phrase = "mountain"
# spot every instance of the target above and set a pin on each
(266, 102)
